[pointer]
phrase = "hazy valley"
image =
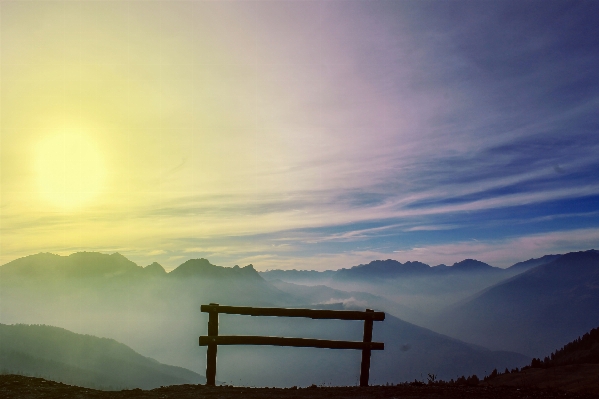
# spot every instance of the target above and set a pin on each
(157, 314)
(83, 360)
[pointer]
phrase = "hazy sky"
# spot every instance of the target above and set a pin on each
(299, 134)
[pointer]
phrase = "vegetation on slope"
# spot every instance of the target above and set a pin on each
(574, 367)
(582, 350)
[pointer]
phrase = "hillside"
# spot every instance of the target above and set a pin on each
(574, 367)
(84, 360)
(582, 350)
(533, 312)
(533, 262)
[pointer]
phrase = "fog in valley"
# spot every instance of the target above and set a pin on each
(415, 294)
(491, 317)
(158, 315)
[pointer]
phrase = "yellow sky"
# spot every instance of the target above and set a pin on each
(180, 104)
(316, 134)
(162, 112)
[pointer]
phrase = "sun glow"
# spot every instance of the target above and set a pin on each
(69, 170)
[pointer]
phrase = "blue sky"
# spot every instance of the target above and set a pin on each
(510, 152)
(338, 133)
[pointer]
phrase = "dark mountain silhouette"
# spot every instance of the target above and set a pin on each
(84, 360)
(529, 264)
(160, 317)
(532, 312)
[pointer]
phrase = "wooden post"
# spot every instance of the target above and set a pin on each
(211, 352)
(365, 367)
(212, 340)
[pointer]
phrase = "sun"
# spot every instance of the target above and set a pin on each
(69, 169)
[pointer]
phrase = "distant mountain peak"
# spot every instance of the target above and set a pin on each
(472, 264)
(155, 268)
(204, 269)
(389, 268)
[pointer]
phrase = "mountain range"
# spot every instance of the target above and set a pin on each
(533, 312)
(157, 314)
(521, 312)
(391, 269)
(416, 290)
(530, 307)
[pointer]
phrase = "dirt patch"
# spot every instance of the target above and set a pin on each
(14, 386)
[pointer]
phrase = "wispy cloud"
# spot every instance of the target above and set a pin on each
(432, 228)
(324, 131)
(500, 253)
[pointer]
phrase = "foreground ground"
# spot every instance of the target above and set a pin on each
(14, 386)
(573, 378)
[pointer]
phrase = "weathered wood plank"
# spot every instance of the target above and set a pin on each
(284, 341)
(212, 348)
(287, 312)
(365, 365)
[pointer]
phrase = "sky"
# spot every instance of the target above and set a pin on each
(299, 134)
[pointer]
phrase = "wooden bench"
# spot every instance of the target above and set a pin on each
(213, 339)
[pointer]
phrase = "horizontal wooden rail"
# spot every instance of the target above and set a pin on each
(212, 340)
(283, 341)
(285, 312)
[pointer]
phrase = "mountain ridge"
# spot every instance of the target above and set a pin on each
(97, 264)
(384, 269)
(203, 268)
(161, 318)
(388, 268)
(83, 359)
(544, 307)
